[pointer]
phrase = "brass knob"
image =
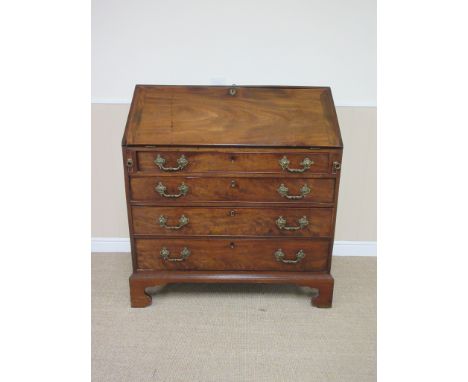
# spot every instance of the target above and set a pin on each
(231, 245)
(129, 162)
(233, 183)
(336, 167)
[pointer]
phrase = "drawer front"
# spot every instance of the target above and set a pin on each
(235, 254)
(232, 221)
(212, 161)
(179, 189)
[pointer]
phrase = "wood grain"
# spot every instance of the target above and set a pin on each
(222, 189)
(254, 116)
(234, 161)
(233, 254)
(231, 221)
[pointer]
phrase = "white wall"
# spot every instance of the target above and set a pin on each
(287, 42)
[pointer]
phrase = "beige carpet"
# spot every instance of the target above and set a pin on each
(241, 333)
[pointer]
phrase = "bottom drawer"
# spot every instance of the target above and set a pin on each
(232, 254)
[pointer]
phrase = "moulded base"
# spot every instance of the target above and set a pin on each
(139, 281)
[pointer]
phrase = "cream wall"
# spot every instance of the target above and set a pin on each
(356, 219)
(263, 42)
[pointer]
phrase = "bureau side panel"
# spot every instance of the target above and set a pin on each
(129, 165)
(335, 158)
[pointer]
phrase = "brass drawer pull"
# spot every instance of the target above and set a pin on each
(281, 223)
(182, 162)
(165, 253)
(306, 163)
(161, 190)
(183, 220)
(280, 257)
(283, 191)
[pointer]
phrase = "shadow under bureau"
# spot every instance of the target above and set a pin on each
(232, 185)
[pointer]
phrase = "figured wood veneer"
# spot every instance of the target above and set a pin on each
(232, 161)
(232, 254)
(234, 221)
(227, 189)
(254, 116)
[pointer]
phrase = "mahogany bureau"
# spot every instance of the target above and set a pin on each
(232, 185)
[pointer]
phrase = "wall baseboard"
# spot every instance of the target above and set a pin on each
(110, 244)
(340, 248)
(355, 248)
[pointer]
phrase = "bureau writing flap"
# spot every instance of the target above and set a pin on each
(232, 116)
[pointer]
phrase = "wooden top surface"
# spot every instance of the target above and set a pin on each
(253, 117)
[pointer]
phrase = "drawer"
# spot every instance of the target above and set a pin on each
(236, 161)
(232, 221)
(236, 254)
(177, 189)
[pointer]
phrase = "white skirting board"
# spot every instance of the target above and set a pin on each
(341, 248)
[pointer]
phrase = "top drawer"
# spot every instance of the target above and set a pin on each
(194, 161)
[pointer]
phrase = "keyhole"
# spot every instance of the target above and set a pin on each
(231, 245)
(232, 213)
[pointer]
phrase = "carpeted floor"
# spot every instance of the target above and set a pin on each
(242, 333)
